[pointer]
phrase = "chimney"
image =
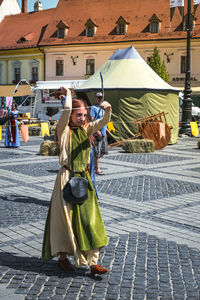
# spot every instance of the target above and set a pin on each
(24, 6)
(37, 6)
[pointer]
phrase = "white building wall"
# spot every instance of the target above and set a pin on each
(9, 7)
(71, 71)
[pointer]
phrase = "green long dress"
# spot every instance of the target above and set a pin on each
(87, 221)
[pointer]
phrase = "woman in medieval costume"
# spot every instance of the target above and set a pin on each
(73, 229)
(12, 132)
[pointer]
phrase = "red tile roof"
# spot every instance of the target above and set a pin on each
(104, 13)
(27, 27)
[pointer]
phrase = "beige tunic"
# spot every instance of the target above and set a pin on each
(62, 238)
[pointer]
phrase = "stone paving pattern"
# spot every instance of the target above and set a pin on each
(150, 205)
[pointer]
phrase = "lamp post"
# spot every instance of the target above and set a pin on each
(187, 101)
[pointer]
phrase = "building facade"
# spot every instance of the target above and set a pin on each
(74, 39)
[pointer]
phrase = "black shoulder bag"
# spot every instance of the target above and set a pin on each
(76, 189)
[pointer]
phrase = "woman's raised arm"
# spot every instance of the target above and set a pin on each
(97, 125)
(64, 119)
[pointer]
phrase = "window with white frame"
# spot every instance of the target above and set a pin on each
(16, 71)
(90, 28)
(90, 65)
(61, 33)
(17, 74)
(34, 65)
(154, 27)
(90, 31)
(155, 24)
(59, 67)
(62, 29)
(34, 74)
(183, 64)
(121, 28)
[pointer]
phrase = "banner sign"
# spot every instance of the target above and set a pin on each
(175, 3)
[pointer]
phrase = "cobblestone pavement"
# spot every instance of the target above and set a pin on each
(150, 204)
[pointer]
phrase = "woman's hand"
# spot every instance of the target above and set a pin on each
(64, 90)
(106, 106)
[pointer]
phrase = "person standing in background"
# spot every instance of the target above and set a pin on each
(12, 131)
(100, 143)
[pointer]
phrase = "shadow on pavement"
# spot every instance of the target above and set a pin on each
(53, 171)
(39, 266)
(25, 199)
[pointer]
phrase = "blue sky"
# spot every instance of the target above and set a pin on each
(45, 4)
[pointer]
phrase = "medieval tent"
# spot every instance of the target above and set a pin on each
(134, 91)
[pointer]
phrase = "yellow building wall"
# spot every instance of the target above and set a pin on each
(24, 57)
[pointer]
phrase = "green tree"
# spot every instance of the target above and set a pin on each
(158, 66)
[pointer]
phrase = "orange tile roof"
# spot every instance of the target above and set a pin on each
(27, 27)
(104, 13)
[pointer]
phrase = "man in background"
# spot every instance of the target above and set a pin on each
(100, 144)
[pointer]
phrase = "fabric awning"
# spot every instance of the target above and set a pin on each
(22, 90)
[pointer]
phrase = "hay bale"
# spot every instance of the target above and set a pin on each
(34, 131)
(139, 146)
(44, 148)
(48, 148)
(198, 144)
(53, 149)
(52, 127)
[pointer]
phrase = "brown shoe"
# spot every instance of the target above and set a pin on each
(97, 269)
(65, 264)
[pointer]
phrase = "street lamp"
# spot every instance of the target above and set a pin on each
(187, 101)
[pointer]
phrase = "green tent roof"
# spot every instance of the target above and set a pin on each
(125, 69)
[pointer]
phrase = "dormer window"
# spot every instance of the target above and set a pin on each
(90, 31)
(62, 29)
(154, 24)
(91, 28)
(154, 27)
(22, 40)
(122, 26)
(192, 22)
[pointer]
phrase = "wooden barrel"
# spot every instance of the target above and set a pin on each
(159, 132)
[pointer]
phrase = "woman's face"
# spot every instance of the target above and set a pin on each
(78, 117)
